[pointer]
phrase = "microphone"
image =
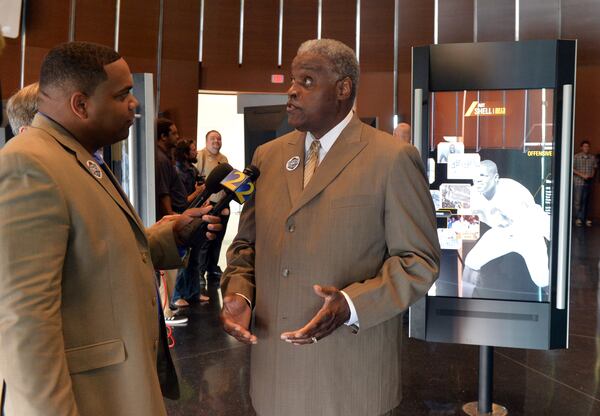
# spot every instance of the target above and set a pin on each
(212, 184)
(237, 185)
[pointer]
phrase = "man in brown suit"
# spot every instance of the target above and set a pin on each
(79, 323)
(341, 230)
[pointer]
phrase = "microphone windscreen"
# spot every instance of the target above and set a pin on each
(252, 171)
(213, 181)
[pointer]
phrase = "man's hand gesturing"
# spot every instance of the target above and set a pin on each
(235, 316)
(334, 313)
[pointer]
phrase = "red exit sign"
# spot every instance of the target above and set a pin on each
(277, 78)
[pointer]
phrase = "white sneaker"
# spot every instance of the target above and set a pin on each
(176, 320)
(578, 222)
(588, 223)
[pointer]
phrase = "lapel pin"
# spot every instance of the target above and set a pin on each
(293, 163)
(94, 169)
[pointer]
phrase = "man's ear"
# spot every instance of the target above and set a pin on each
(78, 103)
(344, 88)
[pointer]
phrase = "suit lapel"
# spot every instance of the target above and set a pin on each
(88, 163)
(123, 197)
(345, 148)
(295, 178)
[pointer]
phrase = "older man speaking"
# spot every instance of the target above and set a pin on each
(339, 240)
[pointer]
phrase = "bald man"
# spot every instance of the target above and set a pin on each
(402, 131)
(517, 225)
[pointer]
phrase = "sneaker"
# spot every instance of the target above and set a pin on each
(203, 298)
(181, 303)
(176, 311)
(578, 222)
(588, 223)
(176, 320)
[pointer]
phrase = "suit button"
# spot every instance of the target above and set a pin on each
(291, 228)
(285, 272)
(144, 257)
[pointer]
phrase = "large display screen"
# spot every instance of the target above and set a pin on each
(490, 174)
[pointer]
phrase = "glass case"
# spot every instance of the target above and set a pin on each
(493, 122)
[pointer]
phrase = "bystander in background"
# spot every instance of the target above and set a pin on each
(22, 107)
(584, 169)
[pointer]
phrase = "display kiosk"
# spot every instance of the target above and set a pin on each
(493, 122)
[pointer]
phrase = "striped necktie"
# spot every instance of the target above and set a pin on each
(312, 161)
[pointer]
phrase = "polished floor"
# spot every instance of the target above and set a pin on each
(437, 378)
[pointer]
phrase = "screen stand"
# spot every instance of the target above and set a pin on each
(486, 381)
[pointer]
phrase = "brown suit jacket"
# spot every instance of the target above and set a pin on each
(365, 224)
(79, 324)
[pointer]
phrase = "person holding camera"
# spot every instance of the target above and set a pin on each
(185, 156)
(187, 286)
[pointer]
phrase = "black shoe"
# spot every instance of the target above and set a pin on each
(216, 272)
(213, 278)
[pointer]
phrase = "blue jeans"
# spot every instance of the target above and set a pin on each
(202, 260)
(581, 196)
(187, 285)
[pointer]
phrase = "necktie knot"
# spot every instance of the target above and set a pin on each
(315, 146)
(312, 161)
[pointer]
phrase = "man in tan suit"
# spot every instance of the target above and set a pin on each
(79, 323)
(341, 230)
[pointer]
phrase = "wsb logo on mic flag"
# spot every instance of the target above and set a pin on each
(240, 184)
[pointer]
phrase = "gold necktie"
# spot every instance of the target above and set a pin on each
(312, 161)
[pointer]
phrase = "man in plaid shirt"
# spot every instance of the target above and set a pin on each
(584, 169)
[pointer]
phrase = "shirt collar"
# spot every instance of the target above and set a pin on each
(330, 137)
(99, 156)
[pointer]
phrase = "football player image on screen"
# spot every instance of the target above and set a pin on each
(517, 225)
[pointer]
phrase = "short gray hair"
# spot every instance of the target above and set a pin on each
(22, 107)
(343, 59)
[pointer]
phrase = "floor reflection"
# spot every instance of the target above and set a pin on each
(437, 378)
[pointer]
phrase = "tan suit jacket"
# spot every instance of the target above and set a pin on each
(78, 313)
(365, 223)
